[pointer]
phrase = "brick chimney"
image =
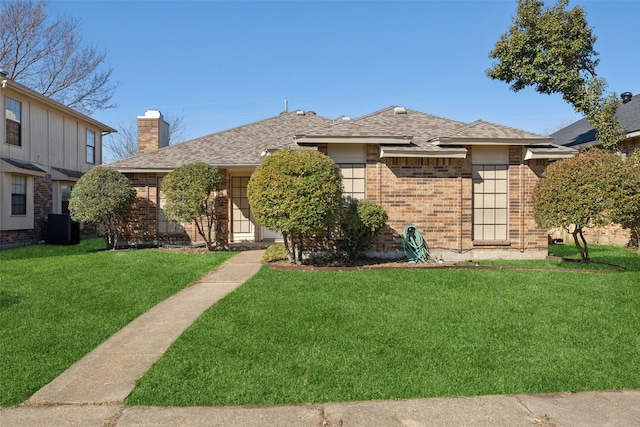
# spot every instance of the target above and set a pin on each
(153, 132)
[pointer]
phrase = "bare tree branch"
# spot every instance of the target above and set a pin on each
(46, 54)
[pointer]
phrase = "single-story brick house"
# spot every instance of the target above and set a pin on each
(465, 186)
(581, 134)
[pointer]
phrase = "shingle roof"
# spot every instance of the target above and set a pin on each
(387, 122)
(239, 146)
(242, 146)
(421, 127)
(581, 132)
(485, 130)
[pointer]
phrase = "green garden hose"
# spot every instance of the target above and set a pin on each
(414, 246)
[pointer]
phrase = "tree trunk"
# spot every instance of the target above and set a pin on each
(583, 249)
(300, 248)
(287, 247)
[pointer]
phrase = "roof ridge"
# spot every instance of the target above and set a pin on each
(295, 112)
(478, 122)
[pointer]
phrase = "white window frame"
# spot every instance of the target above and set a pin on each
(91, 146)
(13, 114)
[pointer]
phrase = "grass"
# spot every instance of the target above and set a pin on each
(57, 303)
(317, 336)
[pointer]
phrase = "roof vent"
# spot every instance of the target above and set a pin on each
(300, 113)
(3, 73)
(399, 110)
(626, 97)
(345, 118)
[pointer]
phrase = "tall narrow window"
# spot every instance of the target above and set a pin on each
(164, 224)
(91, 146)
(13, 116)
(490, 202)
(241, 211)
(353, 179)
(18, 195)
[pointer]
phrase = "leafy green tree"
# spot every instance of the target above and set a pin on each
(593, 188)
(102, 195)
(297, 192)
(190, 191)
(360, 222)
(552, 49)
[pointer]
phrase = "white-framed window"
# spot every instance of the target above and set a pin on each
(13, 115)
(91, 146)
(490, 202)
(18, 195)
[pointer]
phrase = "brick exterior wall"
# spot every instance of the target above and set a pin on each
(436, 196)
(141, 224)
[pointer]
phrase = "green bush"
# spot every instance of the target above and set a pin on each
(103, 195)
(190, 191)
(297, 192)
(275, 252)
(360, 223)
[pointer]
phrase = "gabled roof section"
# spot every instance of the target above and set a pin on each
(239, 146)
(481, 132)
(389, 126)
(582, 133)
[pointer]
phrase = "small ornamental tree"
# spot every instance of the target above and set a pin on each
(360, 222)
(593, 188)
(297, 192)
(102, 195)
(190, 191)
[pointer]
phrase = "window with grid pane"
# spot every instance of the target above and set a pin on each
(18, 195)
(164, 224)
(353, 179)
(241, 211)
(91, 146)
(490, 202)
(13, 115)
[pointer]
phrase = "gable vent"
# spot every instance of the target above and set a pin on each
(399, 110)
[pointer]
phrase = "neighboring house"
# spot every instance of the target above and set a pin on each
(45, 148)
(581, 134)
(465, 186)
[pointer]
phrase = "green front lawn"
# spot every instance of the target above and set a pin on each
(57, 303)
(314, 336)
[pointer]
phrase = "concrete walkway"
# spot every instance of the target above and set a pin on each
(92, 392)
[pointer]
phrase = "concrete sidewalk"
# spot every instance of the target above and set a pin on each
(92, 392)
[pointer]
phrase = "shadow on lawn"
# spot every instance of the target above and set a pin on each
(7, 299)
(46, 250)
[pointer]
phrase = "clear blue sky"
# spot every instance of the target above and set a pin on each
(223, 64)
